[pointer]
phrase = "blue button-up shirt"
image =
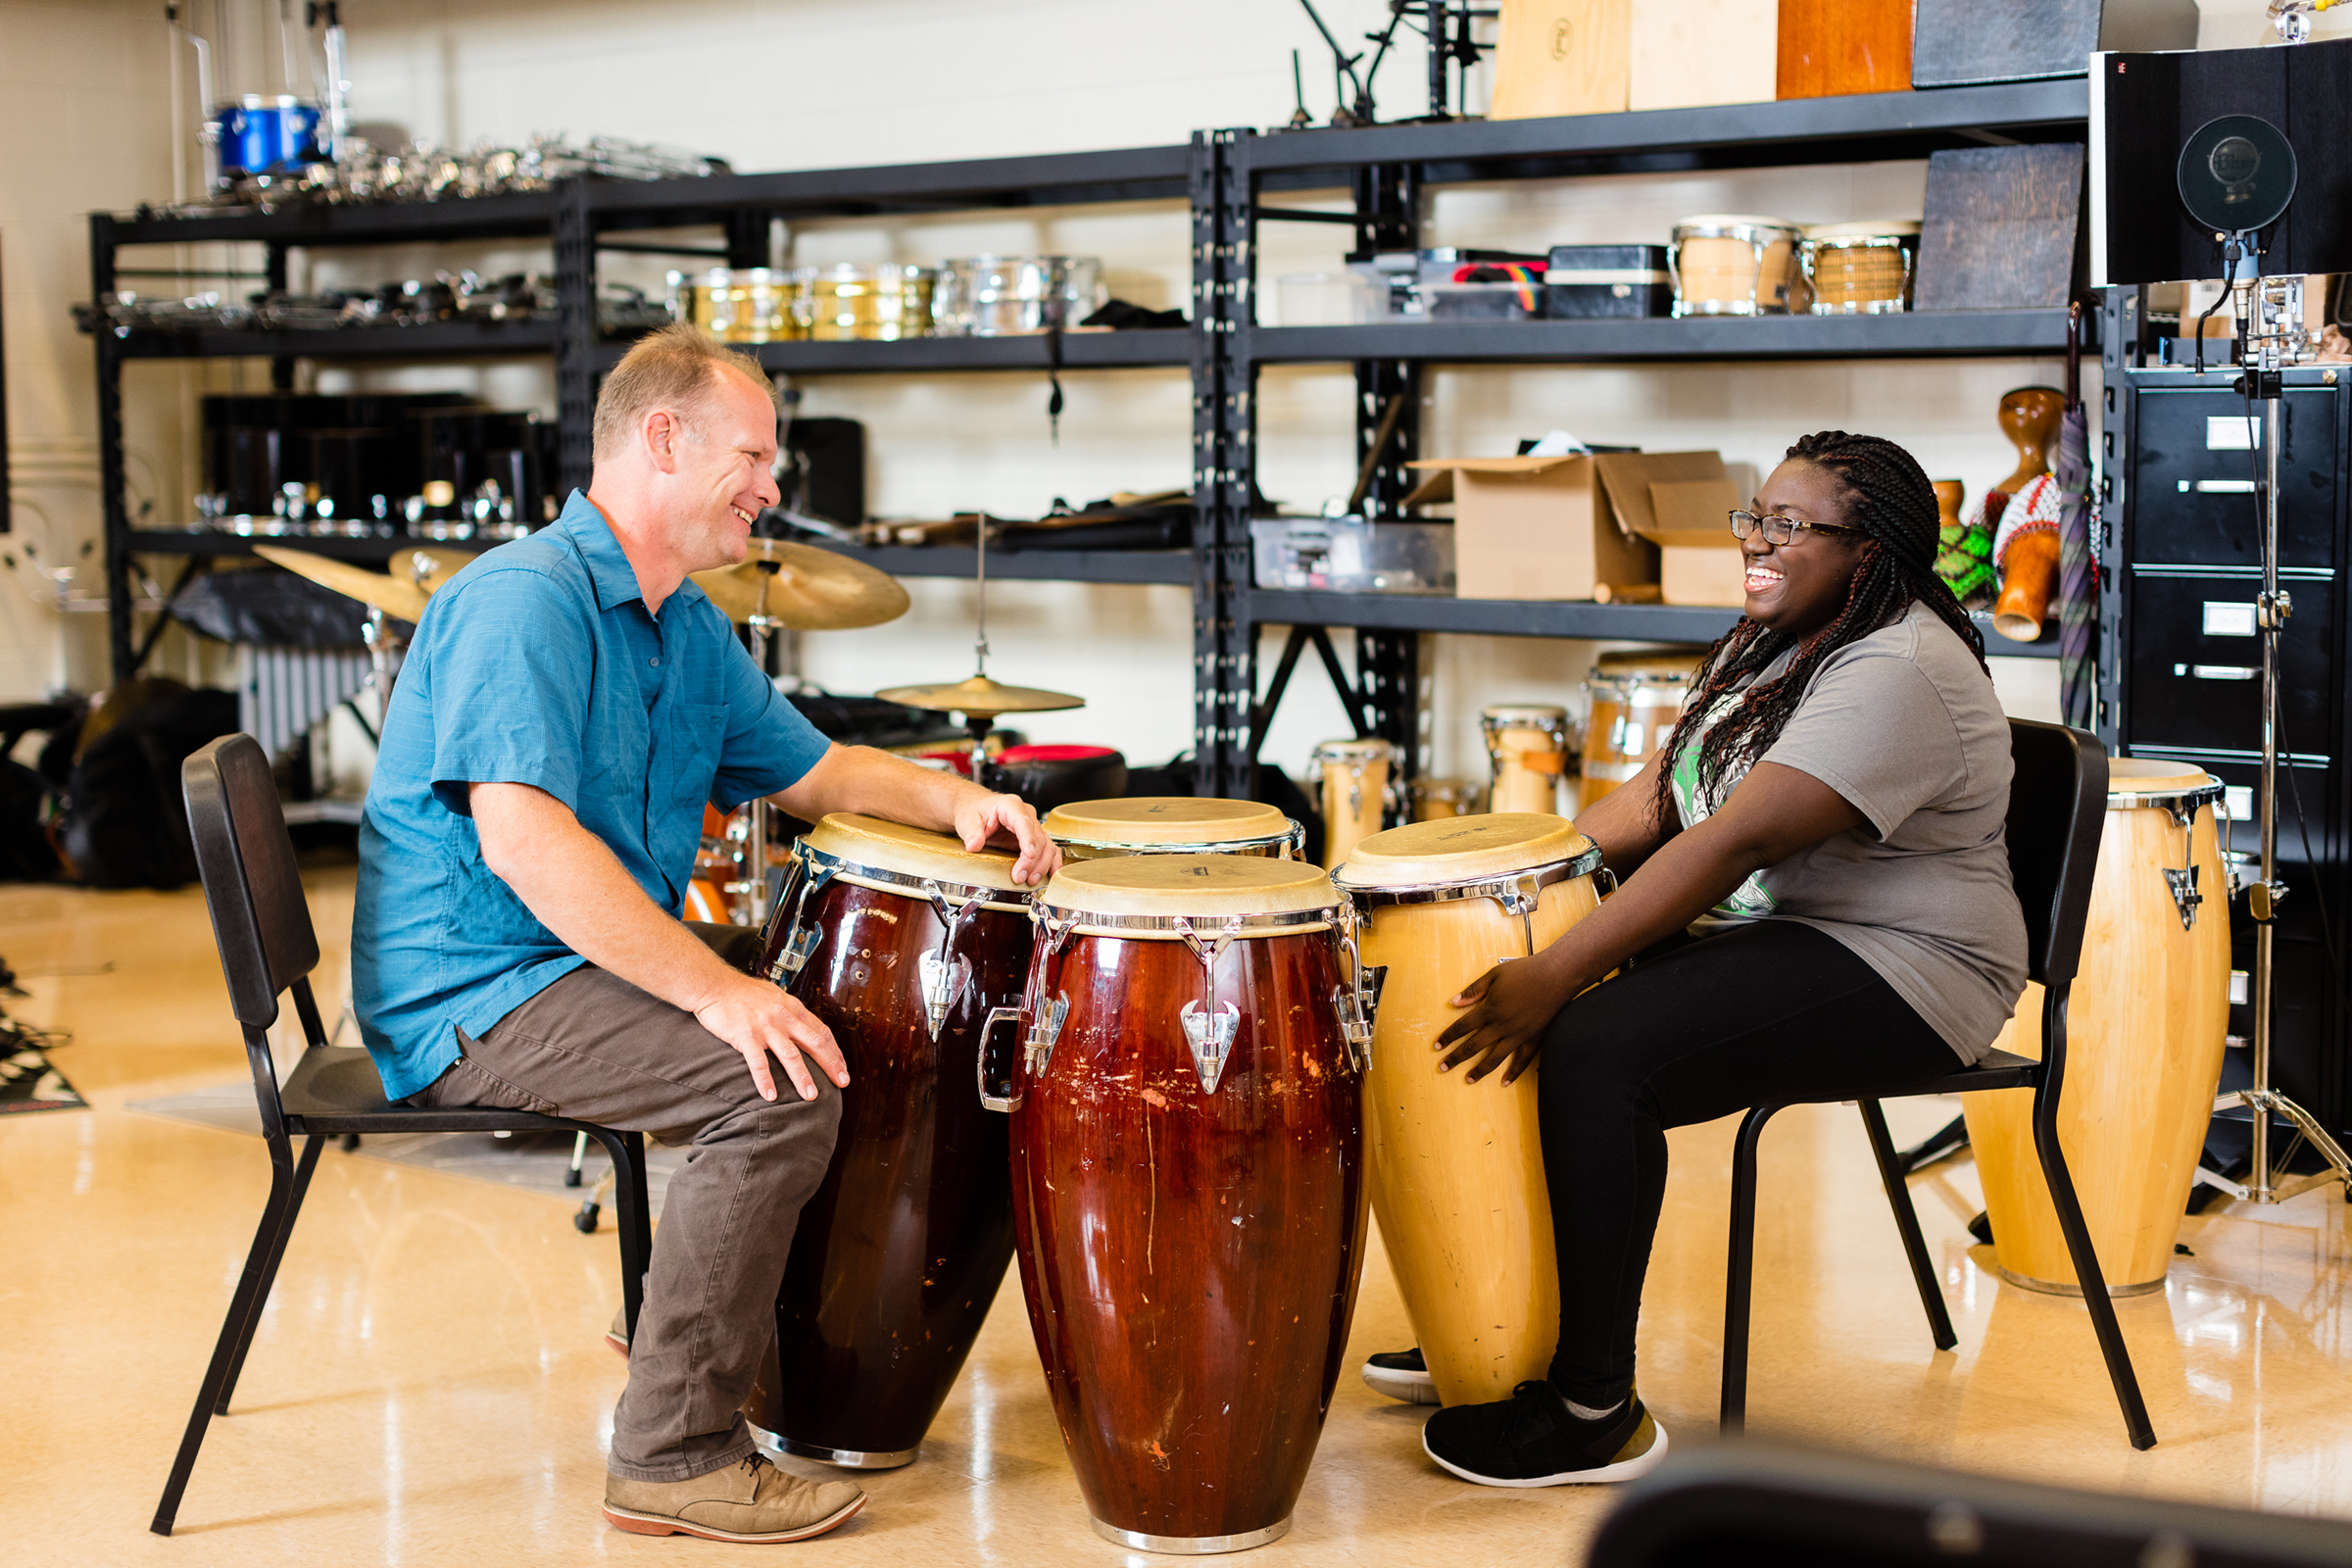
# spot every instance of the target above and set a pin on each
(540, 664)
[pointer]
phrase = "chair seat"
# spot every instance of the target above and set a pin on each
(336, 1088)
(1999, 1070)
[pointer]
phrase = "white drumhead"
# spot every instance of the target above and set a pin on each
(1868, 229)
(910, 852)
(1462, 849)
(1165, 819)
(1199, 887)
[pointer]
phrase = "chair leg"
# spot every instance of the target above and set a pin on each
(286, 1186)
(579, 1157)
(1740, 1271)
(1906, 1220)
(2087, 1269)
(277, 1252)
(636, 1219)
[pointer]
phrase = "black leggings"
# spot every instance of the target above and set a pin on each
(1775, 1011)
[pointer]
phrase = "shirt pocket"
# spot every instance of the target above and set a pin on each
(695, 734)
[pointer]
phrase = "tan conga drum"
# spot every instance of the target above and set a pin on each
(1526, 744)
(1355, 792)
(2146, 1028)
(1173, 825)
(1458, 1167)
(1435, 799)
(1635, 699)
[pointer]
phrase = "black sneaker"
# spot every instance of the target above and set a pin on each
(1401, 1375)
(1533, 1440)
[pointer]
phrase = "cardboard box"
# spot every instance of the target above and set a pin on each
(1562, 56)
(1532, 528)
(1697, 52)
(1680, 502)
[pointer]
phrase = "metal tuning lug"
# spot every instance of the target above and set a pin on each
(795, 953)
(1354, 1007)
(2185, 896)
(1211, 1036)
(943, 980)
(1011, 1098)
(1044, 1031)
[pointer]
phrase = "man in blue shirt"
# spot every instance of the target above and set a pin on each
(569, 702)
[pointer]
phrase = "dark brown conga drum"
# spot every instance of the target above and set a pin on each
(900, 942)
(1189, 1191)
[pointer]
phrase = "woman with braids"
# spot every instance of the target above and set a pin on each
(1821, 841)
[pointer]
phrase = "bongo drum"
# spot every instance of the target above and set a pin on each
(900, 941)
(1860, 269)
(1437, 799)
(2146, 1027)
(1726, 264)
(1458, 1167)
(1527, 746)
(1635, 699)
(1172, 825)
(1189, 1185)
(1355, 792)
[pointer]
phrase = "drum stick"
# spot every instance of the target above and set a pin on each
(1380, 443)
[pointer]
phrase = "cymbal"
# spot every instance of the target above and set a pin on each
(397, 597)
(981, 698)
(446, 564)
(811, 589)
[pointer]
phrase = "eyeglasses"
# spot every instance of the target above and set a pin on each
(1777, 529)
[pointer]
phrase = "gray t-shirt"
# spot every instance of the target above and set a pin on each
(1905, 726)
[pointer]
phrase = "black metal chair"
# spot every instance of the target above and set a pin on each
(2057, 810)
(261, 923)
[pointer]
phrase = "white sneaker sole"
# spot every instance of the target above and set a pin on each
(1639, 1465)
(1413, 1388)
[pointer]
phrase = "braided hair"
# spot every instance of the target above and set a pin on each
(1889, 498)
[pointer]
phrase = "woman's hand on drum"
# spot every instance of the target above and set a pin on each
(980, 817)
(760, 1019)
(1510, 1006)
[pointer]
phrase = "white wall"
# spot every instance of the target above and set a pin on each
(785, 84)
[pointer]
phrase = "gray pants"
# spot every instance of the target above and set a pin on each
(597, 1049)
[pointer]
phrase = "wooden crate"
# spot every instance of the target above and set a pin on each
(1699, 52)
(1561, 57)
(1832, 47)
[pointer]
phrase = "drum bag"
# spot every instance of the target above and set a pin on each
(273, 608)
(124, 823)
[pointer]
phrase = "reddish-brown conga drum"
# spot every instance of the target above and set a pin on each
(900, 942)
(1189, 1191)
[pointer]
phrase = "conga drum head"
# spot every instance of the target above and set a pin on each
(1523, 716)
(1356, 752)
(1653, 667)
(1192, 887)
(2154, 777)
(873, 845)
(1161, 824)
(1462, 849)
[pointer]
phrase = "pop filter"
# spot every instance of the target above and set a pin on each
(2236, 174)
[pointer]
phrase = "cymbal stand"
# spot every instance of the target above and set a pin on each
(979, 724)
(2272, 307)
(749, 886)
(384, 646)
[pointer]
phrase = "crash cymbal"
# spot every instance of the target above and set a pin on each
(399, 597)
(981, 698)
(446, 564)
(809, 589)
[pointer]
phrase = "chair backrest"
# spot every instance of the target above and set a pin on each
(260, 920)
(2057, 811)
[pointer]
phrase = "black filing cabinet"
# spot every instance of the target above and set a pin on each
(2179, 668)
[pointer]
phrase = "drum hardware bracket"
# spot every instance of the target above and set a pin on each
(1207, 952)
(1044, 1032)
(1010, 1101)
(798, 949)
(1354, 1004)
(942, 976)
(1211, 1035)
(2185, 896)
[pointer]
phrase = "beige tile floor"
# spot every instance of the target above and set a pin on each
(429, 1384)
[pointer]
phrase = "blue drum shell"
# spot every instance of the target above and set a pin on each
(264, 138)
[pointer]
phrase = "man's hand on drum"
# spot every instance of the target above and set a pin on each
(1510, 1006)
(760, 1019)
(981, 818)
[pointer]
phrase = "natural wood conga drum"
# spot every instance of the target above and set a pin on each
(2146, 1027)
(1635, 697)
(1189, 1185)
(1458, 1167)
(900, 942)
(1526, 744)
(1355, 792)
(1172, 825)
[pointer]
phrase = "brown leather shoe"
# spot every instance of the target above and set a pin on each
(751, 1502)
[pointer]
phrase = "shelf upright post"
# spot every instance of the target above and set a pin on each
(2119, 413)
(1388, 663)
(282, 365)
(1224, 416)
(576, 330)
(121, 652)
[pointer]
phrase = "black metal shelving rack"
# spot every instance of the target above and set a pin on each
(1222, 176)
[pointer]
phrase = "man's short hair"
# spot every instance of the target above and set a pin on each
(678, 367)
